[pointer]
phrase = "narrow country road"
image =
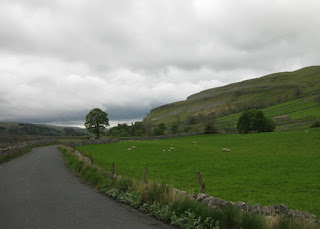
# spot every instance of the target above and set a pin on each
(37, 190)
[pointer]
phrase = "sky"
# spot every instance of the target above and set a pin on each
(60, 59)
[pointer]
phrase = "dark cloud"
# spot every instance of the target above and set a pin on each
(61, 58)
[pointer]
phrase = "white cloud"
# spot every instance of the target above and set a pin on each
(59, 59)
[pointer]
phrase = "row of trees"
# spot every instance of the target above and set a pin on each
(250, 121)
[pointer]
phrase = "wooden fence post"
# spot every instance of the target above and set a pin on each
(90, 157)
(145, 175)
(201, 181)
(113, 170)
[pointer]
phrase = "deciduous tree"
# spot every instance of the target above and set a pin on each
(96, 121)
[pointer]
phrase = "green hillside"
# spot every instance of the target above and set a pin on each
(294, 94)
(15, 128)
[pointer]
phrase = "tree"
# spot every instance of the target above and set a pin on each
(175, 128)
(210, 128)
(162, 126)
(69, 131)
(158, 131)
(254, 120)
(96, 121)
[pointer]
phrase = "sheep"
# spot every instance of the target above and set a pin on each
(225, 150)
(171, 148)
(133, 147)
(194, 142)
(129, 149)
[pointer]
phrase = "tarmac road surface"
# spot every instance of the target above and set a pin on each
(37, 190)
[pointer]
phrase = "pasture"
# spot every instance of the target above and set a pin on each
(265, 168)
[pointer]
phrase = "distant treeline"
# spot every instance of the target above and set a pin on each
(124, 130)
(146, 128)
(31, 129)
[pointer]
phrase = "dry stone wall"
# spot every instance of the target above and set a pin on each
(13, 145)
(274, 210)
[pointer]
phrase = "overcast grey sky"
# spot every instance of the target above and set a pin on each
(59, 59)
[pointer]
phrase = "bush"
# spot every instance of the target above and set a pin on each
(175, 128)
(162, 126)
(158, 131)
(254, 120)
(315, 124)
(210, 128)
(187, 129)
(191, 120)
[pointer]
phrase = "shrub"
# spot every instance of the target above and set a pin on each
(158, 131)
(315, 124)
(210, 128)
(254, 120)
(162, 126)
(187, 129)
(191, 120)
(175, 128)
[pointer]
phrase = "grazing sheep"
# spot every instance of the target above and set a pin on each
(171, 148)
(133, 147)
(164, 150)
(225, 150)
(195, 142)
(129, 149)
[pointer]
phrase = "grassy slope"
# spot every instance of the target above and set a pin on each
(301, 112)
(278, 88)
(59, 129)
(266, 168)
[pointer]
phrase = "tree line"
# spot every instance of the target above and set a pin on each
(250, 121)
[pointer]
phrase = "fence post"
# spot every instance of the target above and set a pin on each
(90, 157)
(145, 175)
(201, 181)
(113, 170)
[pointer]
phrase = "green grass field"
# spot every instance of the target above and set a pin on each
(266, 168)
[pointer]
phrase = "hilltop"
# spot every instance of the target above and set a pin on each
(278, 94)
(15, 128)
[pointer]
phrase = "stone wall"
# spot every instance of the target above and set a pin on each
(91, 141)
(274, 210)
(163, 136)
(9, 146)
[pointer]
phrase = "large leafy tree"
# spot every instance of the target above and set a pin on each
(254, 120)
(96, 121)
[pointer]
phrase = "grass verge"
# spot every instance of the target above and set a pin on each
(161, 201)
(12, 156)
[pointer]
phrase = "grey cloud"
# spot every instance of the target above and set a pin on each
(61, 58)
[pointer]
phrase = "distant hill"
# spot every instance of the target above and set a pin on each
(15, 128)
(294, 90)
